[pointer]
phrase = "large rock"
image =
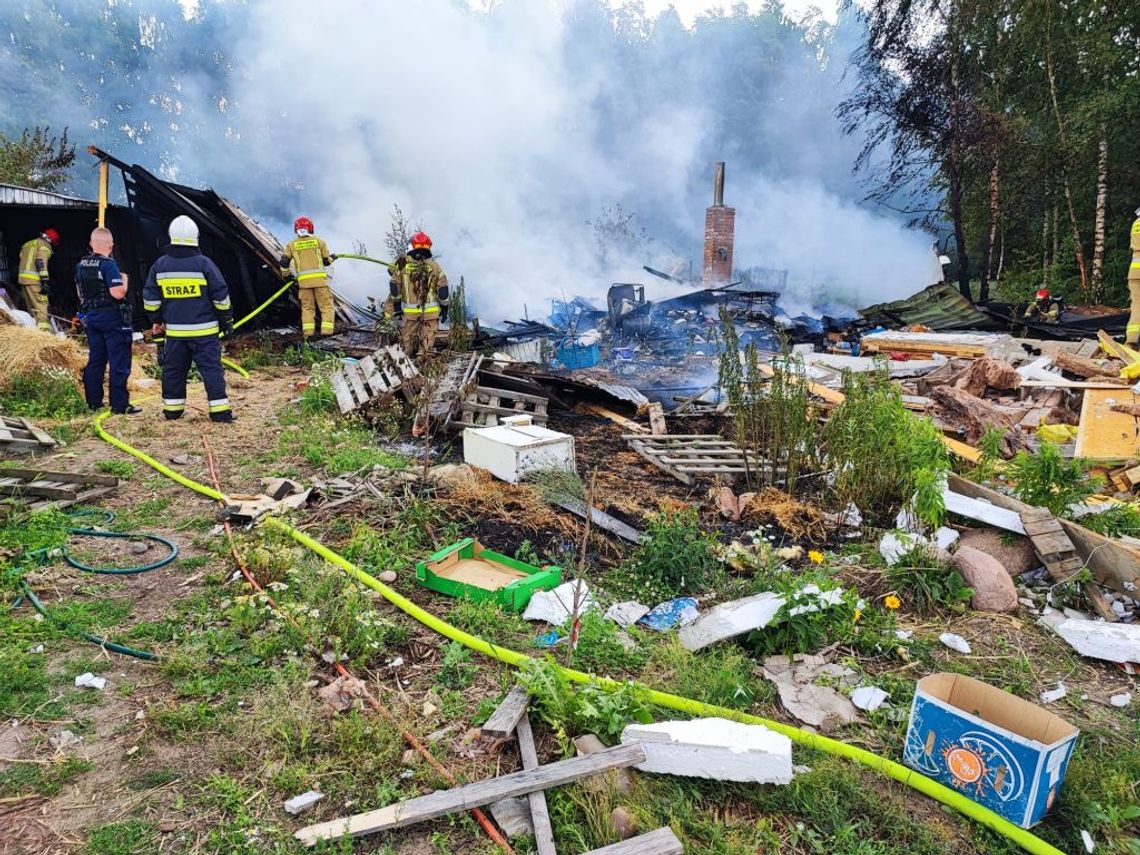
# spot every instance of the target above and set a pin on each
(1014, 553)
(993, 587)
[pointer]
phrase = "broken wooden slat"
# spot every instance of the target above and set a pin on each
(344, 397)
(540, 816)
(1059, 555)
(603, 520)
(506, 716)
(660, 842)
(616, 418)
(40, 436)
(657, 419)
(43, 489)
(478, 794)
(372, 377)
(356, 382)
(26, 473)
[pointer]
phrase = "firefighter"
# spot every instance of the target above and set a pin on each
(1044, 307)
(309, 258)
(33, 276)
(106, 314)
(419, 290)
(188, 301)
(1132, 333)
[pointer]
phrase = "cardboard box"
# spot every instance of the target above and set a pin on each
(1003, 752)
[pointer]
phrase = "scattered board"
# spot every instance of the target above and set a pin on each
(660, 842)
(386, 371)
(456, 381)
(1104, 433)
(686, 455)
(484, 406)
(1059, 555)
(41, 489)
(19, 436)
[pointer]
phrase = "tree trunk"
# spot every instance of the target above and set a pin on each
(1045, 247)
(1001, 258)
(1097, 282)
(991, 232)
(955, 180)
(1078, 247)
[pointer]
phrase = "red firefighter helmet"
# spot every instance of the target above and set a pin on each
(53, 236)
(303, 223)
(1042, 293)
(420, 240)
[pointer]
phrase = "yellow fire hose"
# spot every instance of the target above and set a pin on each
(940, 793)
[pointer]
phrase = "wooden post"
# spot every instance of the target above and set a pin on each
(104, 180)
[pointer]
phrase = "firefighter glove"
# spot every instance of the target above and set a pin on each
(394, 289)
(226, 322)
(45, 287)
(443, 313)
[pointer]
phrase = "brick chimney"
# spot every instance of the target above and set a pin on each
(720, 225)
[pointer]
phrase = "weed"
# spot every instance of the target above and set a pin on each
(721, 675)
(118, 468)
(1048, 479)
(456, 669)
(318, 397)
(132, 837)
(808, 619)
(600, 649)
(21, 779)
(486, 619)
(678, 554)
(305, 355)
(927, 583)
(48, 393)
(527, 553)
(1116, 521)
(881, 455)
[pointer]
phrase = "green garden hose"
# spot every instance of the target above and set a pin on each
(915, 780)
(106, 516)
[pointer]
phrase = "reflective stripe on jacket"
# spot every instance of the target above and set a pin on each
(34, 257)
(186, 292)
(308, 258)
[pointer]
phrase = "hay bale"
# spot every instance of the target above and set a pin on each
(24, 350)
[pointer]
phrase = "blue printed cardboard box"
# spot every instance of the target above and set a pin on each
(1003, 752)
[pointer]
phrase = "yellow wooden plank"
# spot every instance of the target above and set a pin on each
(1105, 434)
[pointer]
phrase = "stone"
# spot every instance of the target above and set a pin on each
(452, 475)
(300, 804)
(713, 748)
(994, 590)
(65, 739)
(618, 779)
(343, 693)
(387, 577)
(513, 816)
(1122, 700)
(138, 547)
(1013, 552)
(727, 503)
(624, 824)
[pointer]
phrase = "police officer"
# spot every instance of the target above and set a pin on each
(106, 314)
(186, 296)
(33, 275)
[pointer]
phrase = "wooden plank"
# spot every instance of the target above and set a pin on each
(344, 398)
(464, 798)
(38, 434)
(660, 842)
(372, 377)
(620, 420)
(513, 396)
(5, 433)
(603, 520)
(1069, 384)
(664, 467)
(540, 816)
(1103, 433)
(657, 419)
(506, 716)
(1114, 348)
(1053, 543)
(832, 396)
(62, 477)
(356, 381)
(18, 488)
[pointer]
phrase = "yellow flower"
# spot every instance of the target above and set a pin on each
(858, 614)
(892, 602)
(815, 556)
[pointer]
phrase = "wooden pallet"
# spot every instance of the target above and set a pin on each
(386, 371)
(42, 489)
(457, 380)
(687, 455)
(19, 436)
(1059, 555)
(484, 406)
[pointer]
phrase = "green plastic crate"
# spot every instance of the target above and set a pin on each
(466, 569)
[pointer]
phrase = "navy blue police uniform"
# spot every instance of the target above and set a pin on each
(186, 293)
(108, 325)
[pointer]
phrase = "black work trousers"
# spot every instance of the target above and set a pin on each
(108, 341)
(205, 352)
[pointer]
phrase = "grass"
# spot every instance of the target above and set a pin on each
(50, 393)
(118, 468)
(21, 779)
(132, 837)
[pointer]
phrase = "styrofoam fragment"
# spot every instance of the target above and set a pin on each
(955, 642)
(1112, 642)
(301, 803)
(1086, 839)
(627, 613)
(1122, 700)
(555, 606)
(90, 681)
(869, 698)
(731, 619)
(713, 748)
(1054, 694)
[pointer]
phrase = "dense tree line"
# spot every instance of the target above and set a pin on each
(1018, 115)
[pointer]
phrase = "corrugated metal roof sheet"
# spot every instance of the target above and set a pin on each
(939, 307)
(11, 194)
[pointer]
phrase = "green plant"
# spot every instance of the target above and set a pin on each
(456, 670)
(926, 583)
(1116, 521)
(42, 393)
(600, 649)
(881, 455)
(811, 616)
(990, 455)
(678, 555)
(132, 837)
(318, 397)
(118, 468)
(527, 553)
(1048, 479)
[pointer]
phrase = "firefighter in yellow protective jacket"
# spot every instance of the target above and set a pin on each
(419, 292)
(1133, 331)
(33, 275)
(309, 258)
